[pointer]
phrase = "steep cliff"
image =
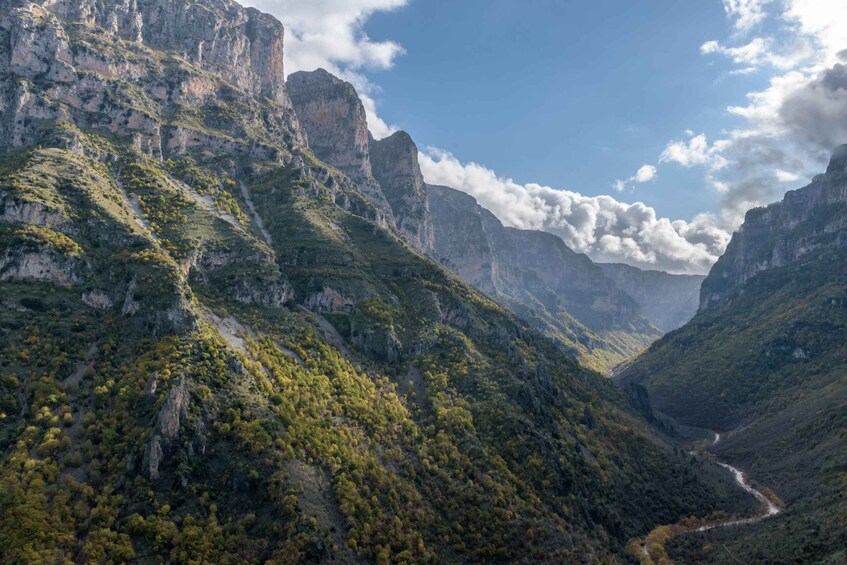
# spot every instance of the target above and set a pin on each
(333, 117)
(808, 220)
(666, 300)
(65, 70)
(394, 161)
(763, 362)
(540, 278)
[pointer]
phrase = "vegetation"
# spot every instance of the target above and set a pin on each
(766, 370)
(201, 394)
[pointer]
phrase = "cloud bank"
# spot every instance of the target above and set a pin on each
(600, 226)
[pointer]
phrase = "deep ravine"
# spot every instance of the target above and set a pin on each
(646, 547)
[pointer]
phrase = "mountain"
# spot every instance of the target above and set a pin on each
(220, 346)
(763, 363)
(666, 300)
(559, 291)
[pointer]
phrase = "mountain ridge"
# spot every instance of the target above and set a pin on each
(217, 347)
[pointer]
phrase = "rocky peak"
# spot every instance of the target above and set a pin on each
(331, 113)
(177, 72)
(394, 161)
(241, 44)
(807, 221)
(838, 161)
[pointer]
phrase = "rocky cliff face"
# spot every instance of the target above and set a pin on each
(180, 74)
(537, 275)
(394, 161)
(243, 45)
(807, 220)
(334, 119)
(667, 301)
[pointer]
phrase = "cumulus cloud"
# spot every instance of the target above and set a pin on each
(789, 128)
(330, 34)
(645, 173)
(761, 51)
(600, 226)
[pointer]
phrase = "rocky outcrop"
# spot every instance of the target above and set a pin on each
(329, 301)
(41, 266)
(331, 113)
(98, 299)
(262, 292)
(171, 417)
(394, 162)
(243, 45)
(808, 220)
(532, 268)
(59, 67)
(667, 301)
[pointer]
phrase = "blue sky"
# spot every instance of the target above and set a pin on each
(567, 94)
(638, 131)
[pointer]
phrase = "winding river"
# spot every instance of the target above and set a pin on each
(768, 507)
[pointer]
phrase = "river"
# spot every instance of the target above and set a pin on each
(768, 507)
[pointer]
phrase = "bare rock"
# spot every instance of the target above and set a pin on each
(394, 162)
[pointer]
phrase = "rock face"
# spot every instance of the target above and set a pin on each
(667, 301)
(535, 273)
(509, 261)
(809, 219)
(61, 67)
(394, 161)
(334, 119)
(241, 44)
(467, 236)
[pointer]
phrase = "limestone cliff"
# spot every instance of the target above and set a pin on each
(807, 220)
(537, 275)
(394, 161)
(334, 119)
(176, 80)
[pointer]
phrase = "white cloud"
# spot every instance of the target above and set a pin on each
(760, 52)
(330, 34)
(786, 176)
(747, 13)
(600, 226)
(789, 127)
(695, 151)
(645, 173)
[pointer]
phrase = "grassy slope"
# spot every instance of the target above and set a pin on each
(505, 448)
(738, 367)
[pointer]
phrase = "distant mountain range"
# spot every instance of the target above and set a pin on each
(603, 313)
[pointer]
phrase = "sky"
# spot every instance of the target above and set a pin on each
(639, 131)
